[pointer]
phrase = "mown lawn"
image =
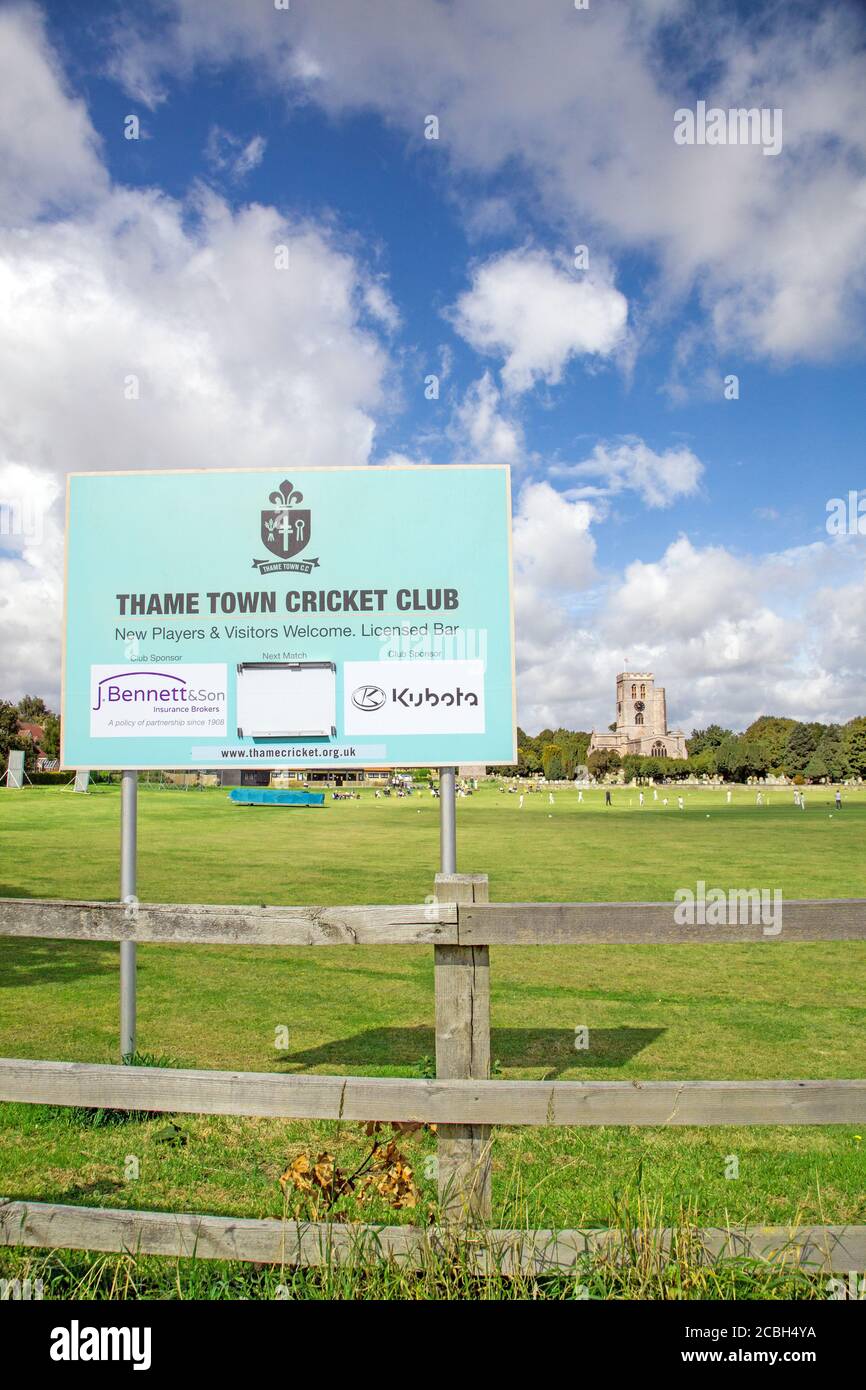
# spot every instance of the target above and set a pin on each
(768, 1010)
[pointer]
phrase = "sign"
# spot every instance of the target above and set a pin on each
(325, 617)
(15, 769)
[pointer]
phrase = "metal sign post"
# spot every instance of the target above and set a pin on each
(128, 854)
(447, 821)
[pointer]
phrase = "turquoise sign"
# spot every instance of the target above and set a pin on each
(333, 617)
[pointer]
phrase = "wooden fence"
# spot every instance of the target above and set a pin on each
(461, 925)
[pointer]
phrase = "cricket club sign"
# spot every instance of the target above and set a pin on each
(285, 531)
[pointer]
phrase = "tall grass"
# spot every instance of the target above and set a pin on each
(638, 1261)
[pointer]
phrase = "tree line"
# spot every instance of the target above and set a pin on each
(771, 745)
(29, 710)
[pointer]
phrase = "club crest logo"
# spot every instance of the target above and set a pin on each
(285, 532)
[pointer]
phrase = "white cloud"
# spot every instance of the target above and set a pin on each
(524, 308)
(235, 359)
(228, 154)
(481, 431)
(31, 554)
(776, 248)
(730, 637)
(141, 331)
(381, 306)
(553, 547)
(631, 464)
(48, 147)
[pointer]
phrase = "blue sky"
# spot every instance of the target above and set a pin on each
(654, 519)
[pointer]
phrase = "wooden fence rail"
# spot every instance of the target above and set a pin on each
(463, 1102)
(828, 1249)
(441, 1102)
(438, 923)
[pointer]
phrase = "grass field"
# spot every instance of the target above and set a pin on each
(769, 1010)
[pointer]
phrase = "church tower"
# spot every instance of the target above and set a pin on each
(641, 720)
(637, 704)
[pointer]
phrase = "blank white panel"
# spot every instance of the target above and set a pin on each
(287, 701)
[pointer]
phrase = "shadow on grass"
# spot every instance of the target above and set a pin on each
(41, 961)
(85, 1192)
(552, 1049)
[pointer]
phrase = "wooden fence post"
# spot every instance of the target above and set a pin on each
(462, 976)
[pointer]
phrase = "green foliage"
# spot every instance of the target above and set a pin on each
(32, 709)
(770, 743)
(51, 736)
(704, 763)
(552, 762)
(799, 748)
(603, 762)
(572, 745)
(739, 758)
(711, 737)
(831, 754)
(772, 731)
(854, 745)
(816, 767)
(11, 739)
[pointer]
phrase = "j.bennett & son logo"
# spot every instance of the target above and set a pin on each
(178, 701)
(124, 687)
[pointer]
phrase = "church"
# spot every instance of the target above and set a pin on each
(641, 720)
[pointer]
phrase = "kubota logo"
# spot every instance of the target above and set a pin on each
(369, 697)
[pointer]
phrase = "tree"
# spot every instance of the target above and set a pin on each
(816, 768)
(51, 737)
(711, 737)
(734, 759)
(632, 766)
(831, 752)
(32, 709)
(10, 738)
(799, 749)
(604, 761)
(551, 762)
(756, 757)
(703, 764)
(528, 754)
(773, 731)
(854, 745)
(573, 746)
